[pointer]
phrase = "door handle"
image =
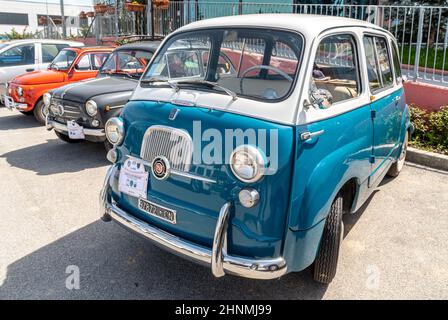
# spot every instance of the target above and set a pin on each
(305, 136)
(29, 70)
(397, 99)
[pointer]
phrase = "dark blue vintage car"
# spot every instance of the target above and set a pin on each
(249, 137)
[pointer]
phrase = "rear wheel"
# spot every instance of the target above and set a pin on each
(40, 112)
(396, 168)
(65, 138)
(326, 262)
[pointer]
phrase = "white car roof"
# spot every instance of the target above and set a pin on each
(71, 43)
(309, 25)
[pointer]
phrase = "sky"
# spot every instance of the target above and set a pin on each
(80, 2)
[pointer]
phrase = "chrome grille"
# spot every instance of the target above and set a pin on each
(71, 112)
(174, 144)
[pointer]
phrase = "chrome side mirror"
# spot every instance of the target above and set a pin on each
(319, 99)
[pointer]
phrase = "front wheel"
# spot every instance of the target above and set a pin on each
(398, 165)
(40, 112)
(107, 145)
(325, 265)
(65, 138)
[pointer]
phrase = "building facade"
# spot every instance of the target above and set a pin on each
(26, 16)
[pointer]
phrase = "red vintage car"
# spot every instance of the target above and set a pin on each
(26, 92)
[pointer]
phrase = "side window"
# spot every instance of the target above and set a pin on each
(397, 65)
(384, 62)
(84, 63)
(50, 51)
(372, 66)
(379, 69)
(97, 59)
(335, 76)
(19, 55)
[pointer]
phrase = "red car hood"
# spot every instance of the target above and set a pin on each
(40, 77)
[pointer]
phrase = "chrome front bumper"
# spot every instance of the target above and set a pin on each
(9, 103)
(217, 258)
(60, 127)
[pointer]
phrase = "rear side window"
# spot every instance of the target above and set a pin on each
(379, 69)
(397, 65)
(97, 59)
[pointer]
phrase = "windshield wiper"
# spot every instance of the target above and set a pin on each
(210, 84)
(154, 80)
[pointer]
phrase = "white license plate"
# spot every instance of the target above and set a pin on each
(157, 211)
(75, 131)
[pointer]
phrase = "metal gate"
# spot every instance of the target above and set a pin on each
(421, 31)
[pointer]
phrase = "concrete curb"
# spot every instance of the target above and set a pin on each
(426, 158)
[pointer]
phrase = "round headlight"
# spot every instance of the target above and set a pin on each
(91, 108)
(248, 163)
(19, 91)
(47, 98)
(114, 130)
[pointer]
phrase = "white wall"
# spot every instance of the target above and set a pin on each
(35, 8)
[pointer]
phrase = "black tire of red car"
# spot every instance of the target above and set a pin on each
(39, 112)
(397, 166)
(325, 265)
(65, 138)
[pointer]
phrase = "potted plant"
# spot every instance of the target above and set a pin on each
(161, 4)
(100, 8)
(134, 6)
(110, 9)
(42, 19)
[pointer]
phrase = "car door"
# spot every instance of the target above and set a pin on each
(384, 96)
(17, 60)
(87, 66)
(47, 52)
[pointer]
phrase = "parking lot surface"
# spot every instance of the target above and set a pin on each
(395, 246)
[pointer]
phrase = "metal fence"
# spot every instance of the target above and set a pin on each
(421, 31)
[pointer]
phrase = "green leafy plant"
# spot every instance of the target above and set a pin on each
(15, 35)
(430, 129)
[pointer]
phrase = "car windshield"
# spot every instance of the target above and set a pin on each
(131, 63)
(254, 63)
(63, 60)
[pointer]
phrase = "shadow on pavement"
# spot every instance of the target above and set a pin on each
(18, 121)
(351, 219)
(56, 156)
(116, 264)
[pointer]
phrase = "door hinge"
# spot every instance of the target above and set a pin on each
(373, 114)
(372, 159)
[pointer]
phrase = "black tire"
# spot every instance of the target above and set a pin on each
(397, 166)
(27, 113)
(65, 138)
(107, 145)
(38, 111)
(326, 262)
